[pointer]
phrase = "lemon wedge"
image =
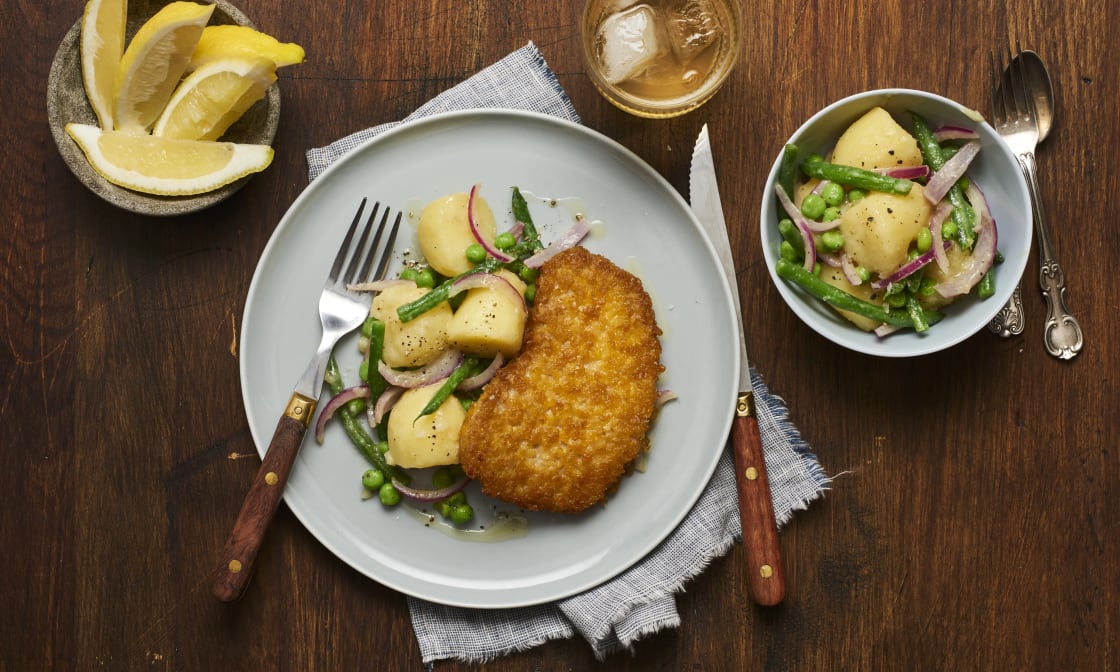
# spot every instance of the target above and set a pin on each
(166, 166)
(102, 42)
(154, 61)
(213, 97)
(228, 40)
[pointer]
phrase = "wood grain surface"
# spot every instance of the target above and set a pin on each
(974, 518)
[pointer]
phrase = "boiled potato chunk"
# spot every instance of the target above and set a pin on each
(489, 322)
(444, 232)
(428, 441)
(876, 140)
(879, 228)
(417, 342)
(835, 277)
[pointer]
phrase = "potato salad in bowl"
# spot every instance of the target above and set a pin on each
(891, 219)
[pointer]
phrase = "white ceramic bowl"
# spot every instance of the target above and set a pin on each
(995, 171)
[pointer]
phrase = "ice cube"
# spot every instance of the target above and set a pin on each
(693, 26)
(628, 43)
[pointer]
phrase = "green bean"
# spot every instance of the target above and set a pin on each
(856, 177)
(358, 436)
(373, 376)
(845, 301)
(413, 309)
(987, 285)
(465, 370)
(917, 315)
(963, 215)
(521, 213)
(792, 235)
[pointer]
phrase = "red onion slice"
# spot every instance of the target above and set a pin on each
(376, 285)
(335, 403)
(907, 269)
(419, 495)
(472, 219)
(385, 403)
(850, 272)
(570, 239)
(983, 254)
(478, 380)
(906, 172)
(488, 281)
(935, 223)
(950, 132)
(952, 171)
(801, 220)
(425, 375)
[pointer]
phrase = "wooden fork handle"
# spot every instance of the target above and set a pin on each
(765, 576)
(235, 564)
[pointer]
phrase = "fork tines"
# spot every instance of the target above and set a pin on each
(363, 257)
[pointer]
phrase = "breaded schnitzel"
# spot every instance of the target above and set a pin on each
(557, 426)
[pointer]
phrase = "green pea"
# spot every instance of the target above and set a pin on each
(833, 193)
(462, 514)
(458, 499)
(963, 183)
(813, 158)
(383, 447)
(389, 495)
(425, 278)
(856, 195)
(949, 230)
(530, 294)
(373, 479)
(367, 327)
(927, 288)
(356, 406)
(832, 240)
(408, 273)
(504, 241)
(831, 213)
(863, 273)
(476, 254)
(363, 370)
(817, 268)
(897, 300)
(924, 240)
(527, 275)
(813, 206)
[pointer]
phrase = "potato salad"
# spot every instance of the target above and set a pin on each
(436, 334)
(888, 228)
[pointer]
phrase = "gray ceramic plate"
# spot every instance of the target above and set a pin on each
(66, 103)
(646, 228)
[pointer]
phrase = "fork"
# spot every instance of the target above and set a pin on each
(1015, 120)
(341, 310)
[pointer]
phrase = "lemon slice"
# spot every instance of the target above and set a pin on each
(213, 97)
(154, 61)
(102, 42)
(226, 41)
(167, 166)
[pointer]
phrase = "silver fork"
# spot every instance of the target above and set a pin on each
(340, 311)
(1015, 120)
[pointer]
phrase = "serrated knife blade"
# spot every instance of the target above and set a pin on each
(766, 578)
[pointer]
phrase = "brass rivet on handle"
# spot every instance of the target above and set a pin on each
(235, 566)
(271, 478)
(766, 571)
(751, 473)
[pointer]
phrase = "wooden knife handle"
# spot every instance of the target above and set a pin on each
(765, 578)
(235, 564)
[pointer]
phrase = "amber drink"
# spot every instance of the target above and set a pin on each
(660, 58)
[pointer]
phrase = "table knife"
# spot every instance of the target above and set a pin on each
(766, 579)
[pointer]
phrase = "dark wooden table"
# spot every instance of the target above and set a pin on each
(973, 521)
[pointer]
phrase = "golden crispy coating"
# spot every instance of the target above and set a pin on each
(557, 427)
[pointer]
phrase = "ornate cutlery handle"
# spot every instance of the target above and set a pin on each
(1009, 320)
(1062, 333)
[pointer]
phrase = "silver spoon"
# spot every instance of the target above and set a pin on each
(1009, 320)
